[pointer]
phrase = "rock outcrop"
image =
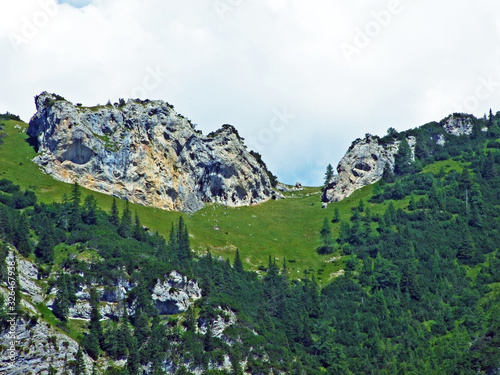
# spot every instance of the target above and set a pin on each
(175, 294)
(145, 152)
(362, 165)
(458, 124)
(38, 346)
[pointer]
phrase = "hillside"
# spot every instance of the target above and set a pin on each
(401, 276)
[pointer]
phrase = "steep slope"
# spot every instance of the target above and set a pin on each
(145, 152)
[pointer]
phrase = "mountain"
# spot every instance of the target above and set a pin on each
(145, 152)
(401, 276)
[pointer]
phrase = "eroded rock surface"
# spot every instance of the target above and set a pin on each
(145, 152)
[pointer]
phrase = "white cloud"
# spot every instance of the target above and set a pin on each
(227, 61)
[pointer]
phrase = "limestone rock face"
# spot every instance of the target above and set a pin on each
(38, 346)
(147, 153)
(458, 124)
(362, 165)
(175, 294)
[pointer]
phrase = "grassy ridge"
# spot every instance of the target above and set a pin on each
(283, 229)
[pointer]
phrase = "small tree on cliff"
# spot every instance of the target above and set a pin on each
(328, 174)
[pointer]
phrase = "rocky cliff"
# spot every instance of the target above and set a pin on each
(145, 152)
(364, 162)
(362, 165)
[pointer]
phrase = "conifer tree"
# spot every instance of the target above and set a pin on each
(403, 158)
(238, 265)
(125, 228)
(89, 214)
(114, 217)
(326, 239)
(138, 229)
(388, 174)
(133, 357)
(328, 174)
(336, 215)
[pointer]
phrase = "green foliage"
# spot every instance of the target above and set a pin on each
(328, 174)
(326, 239)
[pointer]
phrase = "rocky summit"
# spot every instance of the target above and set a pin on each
(145, 152)
(364, 162)
(362, 165)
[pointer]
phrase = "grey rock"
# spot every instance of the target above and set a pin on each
(38, 346)
(362, 165)
(28, 274)
(145, 152)
(287, 189)
(458, 124)
(175, 294)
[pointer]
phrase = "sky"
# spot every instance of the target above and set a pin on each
(299, 79)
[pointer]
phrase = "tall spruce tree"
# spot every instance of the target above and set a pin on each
(326, 239)
(125, 228)
(114, 217)
(238, 264)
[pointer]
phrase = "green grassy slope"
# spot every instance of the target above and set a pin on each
(286, 228)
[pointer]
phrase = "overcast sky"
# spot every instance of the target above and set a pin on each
(300, 79)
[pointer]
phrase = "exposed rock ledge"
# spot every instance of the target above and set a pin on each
(145, 152)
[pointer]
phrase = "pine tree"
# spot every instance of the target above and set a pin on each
(95, 337)
(114, 217)
(328, 174)
(388, 174)
(138, 229)
(44, 250)
(237, 265)
(133, 357)
(336, 215)
(403, 159)
(125, 228)
(62, 301)
(75, 216)
(89, 214)
(326, 239)
(208, 344)
(141, 327)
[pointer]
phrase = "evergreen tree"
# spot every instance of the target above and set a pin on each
(63, 298)
(138, 229)
(403, 159)
(114, 217)
(89, 215)
(388, 174)
(75, 215)
(328, 174)
(95, 337)
(326, 239)
(208, 344)
(44, 250)
(336, 215)
(141, 328)
(237, 265)
(125, 228)
(133, 360)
